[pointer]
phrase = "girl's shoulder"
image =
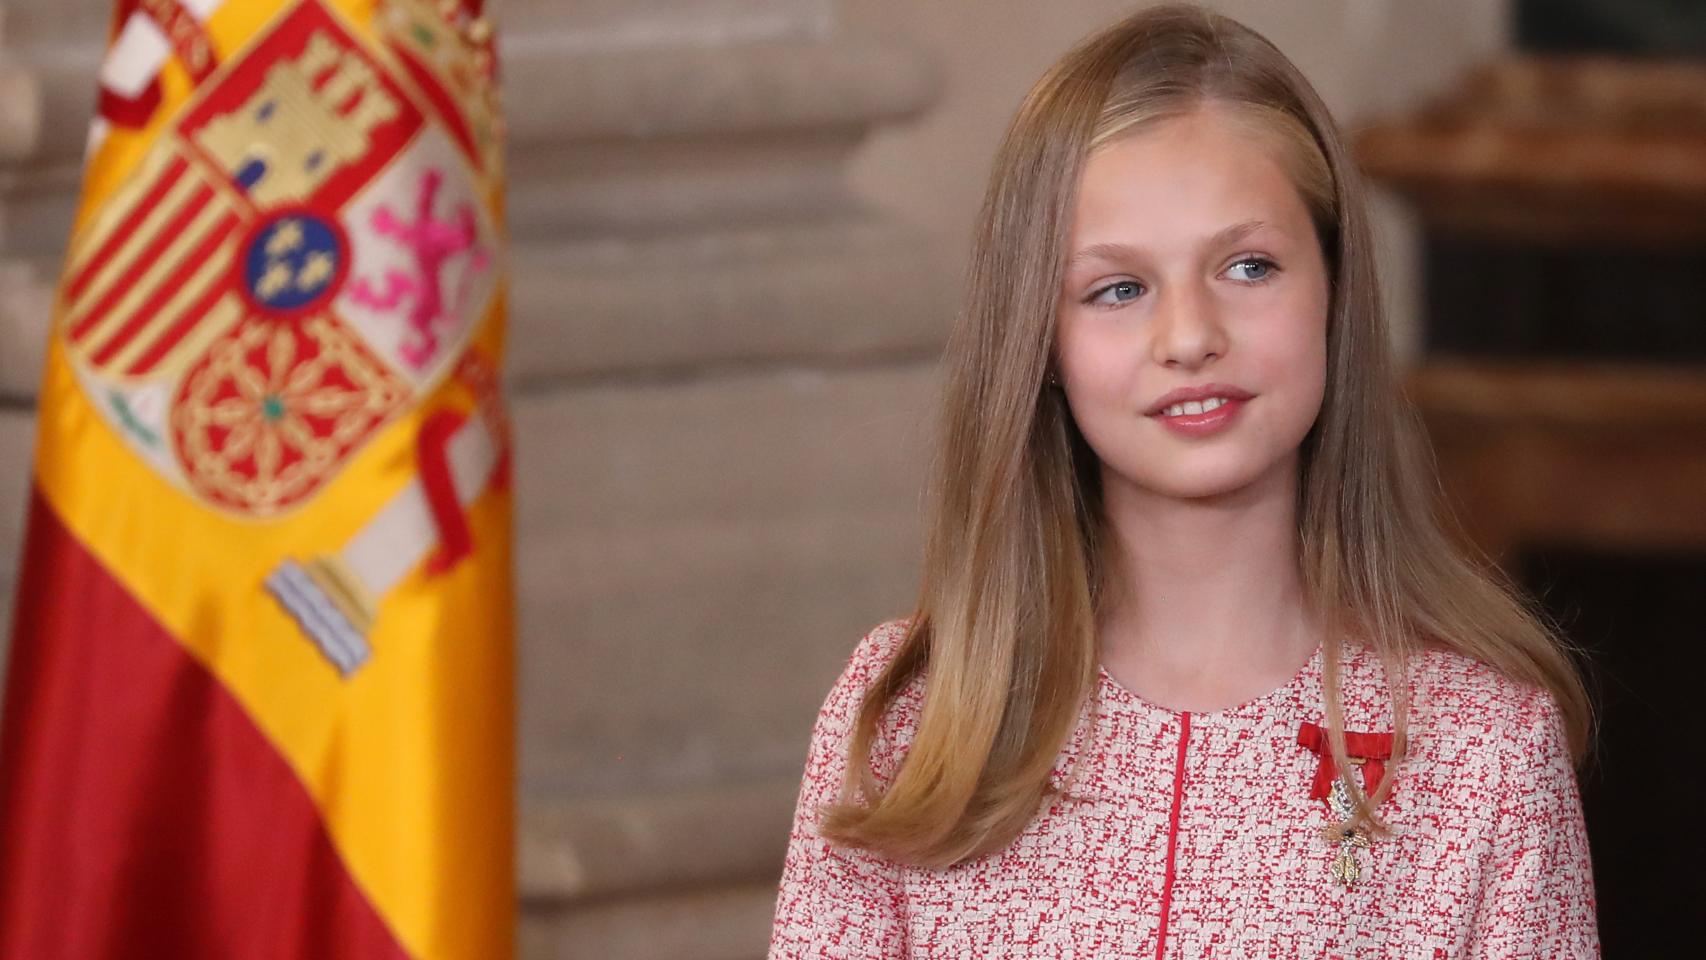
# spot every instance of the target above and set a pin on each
(874, 652)
(840, 713)
(1455, 697)
(1458, 690)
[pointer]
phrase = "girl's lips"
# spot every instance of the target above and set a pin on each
(1200, 392)
(1203, 424)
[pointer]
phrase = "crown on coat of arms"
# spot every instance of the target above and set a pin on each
(312, 114)
(458, 46)
(458, 43)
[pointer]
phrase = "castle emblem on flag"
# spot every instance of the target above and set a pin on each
(300, 258)
(313, 115)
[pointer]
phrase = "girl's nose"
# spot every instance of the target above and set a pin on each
(1188, 331)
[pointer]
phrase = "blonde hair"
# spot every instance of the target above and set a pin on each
(1016, 560)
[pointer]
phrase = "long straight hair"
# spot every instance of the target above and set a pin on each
(1017, 562)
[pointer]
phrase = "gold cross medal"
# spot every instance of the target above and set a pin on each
(1345, 840)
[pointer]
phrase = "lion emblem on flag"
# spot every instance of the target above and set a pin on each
(302, 256)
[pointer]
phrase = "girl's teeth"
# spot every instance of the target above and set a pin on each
(1194, 406)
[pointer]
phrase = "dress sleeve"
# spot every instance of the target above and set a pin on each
(1537, 893)
(833, 901)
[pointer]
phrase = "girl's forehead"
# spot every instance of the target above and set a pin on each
(1191, 176)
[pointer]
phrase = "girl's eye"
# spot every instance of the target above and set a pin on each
(1115, 294)
(1254, 269)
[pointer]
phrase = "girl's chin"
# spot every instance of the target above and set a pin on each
(1208, 481)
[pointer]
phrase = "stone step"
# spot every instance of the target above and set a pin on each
(26, 301)
(720, 923)
(619, 189)
(621, 846)
(21, 122)
(557, 89)
(625, 23)
(17, 446)
(692, 657)
(835, 292)
(698, 560)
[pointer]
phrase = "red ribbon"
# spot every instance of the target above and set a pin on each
(133, 112)
(1373, 749)
(455, 539)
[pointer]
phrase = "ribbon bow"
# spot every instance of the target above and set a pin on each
(1367, 750)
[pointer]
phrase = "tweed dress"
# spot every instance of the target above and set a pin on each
(1182, 834)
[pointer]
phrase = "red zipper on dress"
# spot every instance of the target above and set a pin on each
(1173, 833)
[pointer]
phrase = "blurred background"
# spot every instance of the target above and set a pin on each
(738, 233)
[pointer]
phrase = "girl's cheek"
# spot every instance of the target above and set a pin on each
(1099, 372)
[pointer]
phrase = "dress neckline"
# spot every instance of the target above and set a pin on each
(1295, 689)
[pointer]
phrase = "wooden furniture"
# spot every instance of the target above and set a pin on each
(1563, 385)
(1606, 456)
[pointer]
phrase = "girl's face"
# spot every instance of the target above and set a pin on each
(1193, 266)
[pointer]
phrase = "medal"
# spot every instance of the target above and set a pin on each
(1370, 751)
(1345, 840)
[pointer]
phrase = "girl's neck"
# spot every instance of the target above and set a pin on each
(1209, 608)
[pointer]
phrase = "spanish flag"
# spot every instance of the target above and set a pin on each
(260, 699)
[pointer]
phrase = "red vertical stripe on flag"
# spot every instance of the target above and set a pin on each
(148, 312)
(110, 246)
(180, 328)
(142, 813)
(181, 218)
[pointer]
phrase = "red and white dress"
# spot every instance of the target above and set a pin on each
(1197, 835)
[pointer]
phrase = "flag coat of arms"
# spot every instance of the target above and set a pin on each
(260, 699)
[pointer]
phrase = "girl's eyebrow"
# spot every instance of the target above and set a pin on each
(1236, 232)
(1111, 251)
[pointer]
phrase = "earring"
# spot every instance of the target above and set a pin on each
(1053, 380)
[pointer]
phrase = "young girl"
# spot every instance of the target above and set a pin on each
(1194, 672)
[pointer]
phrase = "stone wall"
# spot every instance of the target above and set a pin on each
(720, 360)
(738, 228)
